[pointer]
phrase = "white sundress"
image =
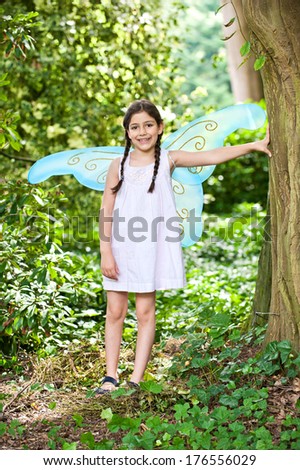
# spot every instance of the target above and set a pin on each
(145, 239)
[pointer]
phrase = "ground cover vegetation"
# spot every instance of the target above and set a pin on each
(209, 384)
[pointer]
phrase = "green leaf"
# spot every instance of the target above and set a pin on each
(147, 440)
(4, 82)
(245, 49)
(49, 387)
(230, 22)
(271, 351)
(3, 428)
(150, 386)
(181, 411)
(2, 140)
(78, 419)
(221, 320)
(36, 386)
(52, 405)
(263, 433)
(39, 200)
(107, 414)
(118, 422)
(260, 62)
(29, 16)
(14, 143)
(9, 48)
(221, 414)
(71, 446)
(88, 439)
(237, 427)
(284, 347)
(105, 444)
(122, 392)
(154, 422)
(229, 401)
(228, 37)
(220, 8)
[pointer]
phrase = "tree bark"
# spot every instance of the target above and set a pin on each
(245, 81)
(262, 297)
(274, 25)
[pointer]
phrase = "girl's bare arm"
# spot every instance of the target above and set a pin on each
(219, 155)
(108, 264)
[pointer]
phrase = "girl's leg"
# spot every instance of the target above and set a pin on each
(117, 305)
(145, 312)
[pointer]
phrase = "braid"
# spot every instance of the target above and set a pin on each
(156, 165)
(116, 188)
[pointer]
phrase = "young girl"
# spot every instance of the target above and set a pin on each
(139, 243)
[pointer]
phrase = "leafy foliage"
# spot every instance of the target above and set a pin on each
(89, 63)
(222, 397)
(46, 292)
(16, 33)
(217, 396)
(16, 40)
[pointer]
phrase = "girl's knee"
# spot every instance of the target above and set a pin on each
(145, 315)
(116, 313)
(117, 305)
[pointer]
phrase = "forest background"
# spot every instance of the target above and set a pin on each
(68, 73)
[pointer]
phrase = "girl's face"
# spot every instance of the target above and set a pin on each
(143, 131)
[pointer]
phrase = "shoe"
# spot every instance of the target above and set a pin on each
(103, 391)
(133, 385)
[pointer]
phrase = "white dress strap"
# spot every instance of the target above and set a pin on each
(171, 160)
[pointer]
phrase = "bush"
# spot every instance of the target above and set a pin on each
(49, 296)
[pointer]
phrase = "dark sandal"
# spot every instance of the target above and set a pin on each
(107, 379)
(133, 385)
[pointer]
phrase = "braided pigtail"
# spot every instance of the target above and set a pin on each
(116, 188)
(156, 165)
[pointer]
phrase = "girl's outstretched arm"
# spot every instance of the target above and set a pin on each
(221, 154)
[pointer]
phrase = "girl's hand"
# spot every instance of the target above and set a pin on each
(262, 145)
(109, 266)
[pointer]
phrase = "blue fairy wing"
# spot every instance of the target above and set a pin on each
(189, 205)
(88, 165)
(205, 133)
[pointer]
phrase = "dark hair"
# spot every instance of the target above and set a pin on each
(138, 107)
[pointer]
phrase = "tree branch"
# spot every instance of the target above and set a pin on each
(24, 159)
(7, 405)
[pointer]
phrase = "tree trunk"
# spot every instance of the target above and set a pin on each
(245, 81)
(276, 34)
(262, 297)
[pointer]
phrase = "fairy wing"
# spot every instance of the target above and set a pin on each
(90, 165)
(205, 133)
